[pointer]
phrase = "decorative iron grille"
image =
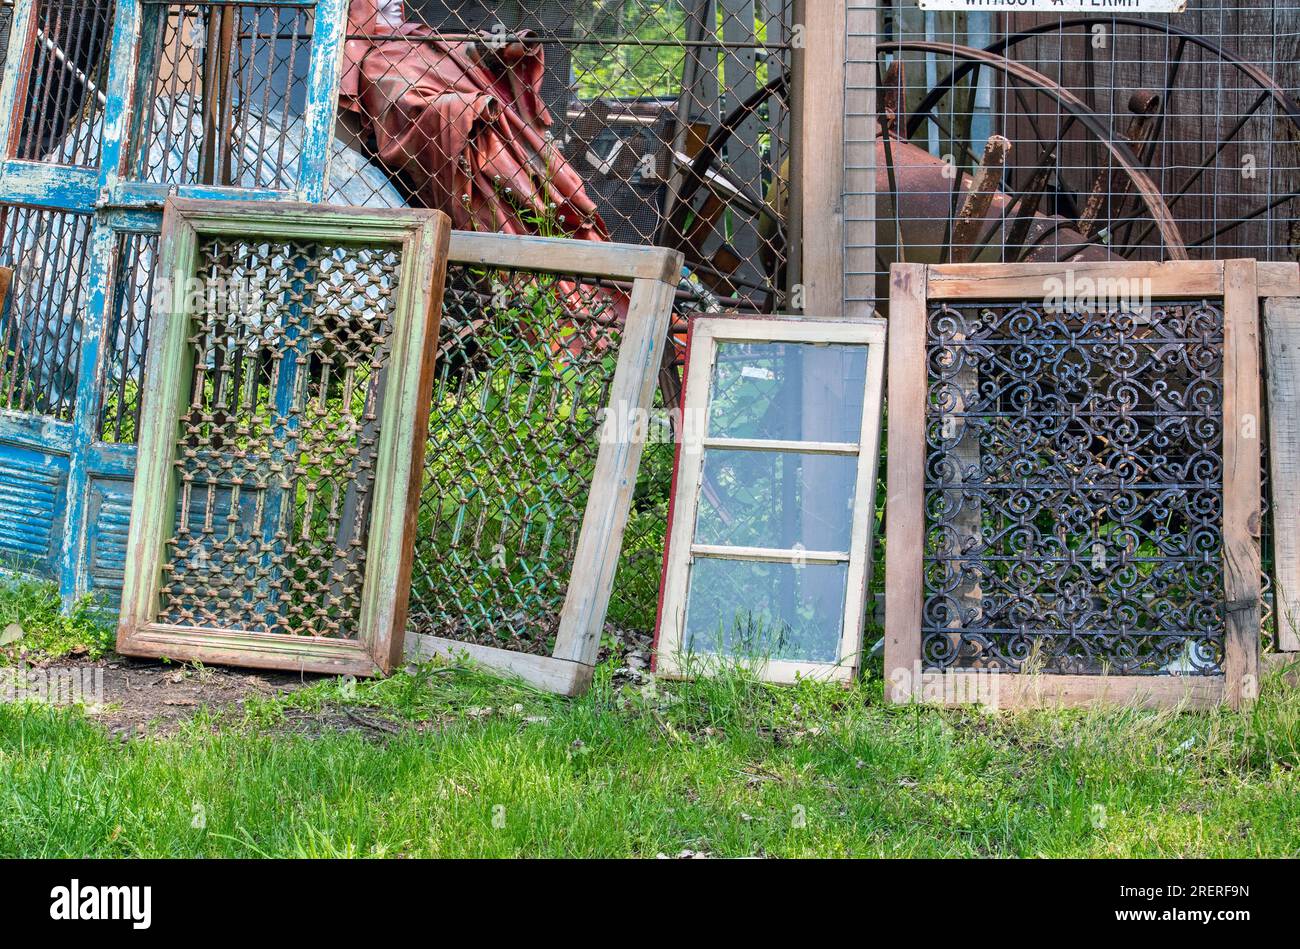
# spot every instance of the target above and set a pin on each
(1074, 489)
(276, 454)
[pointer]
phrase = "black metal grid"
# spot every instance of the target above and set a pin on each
(1074, 489)
(40, 330)
(63, 95)
(226, 94)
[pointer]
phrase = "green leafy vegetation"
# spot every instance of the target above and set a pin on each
(33, 628)
(635, 51)
(453, 763)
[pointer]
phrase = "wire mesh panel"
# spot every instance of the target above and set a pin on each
(1074, 489)
(228, 84)
(542, 409)
(6, 23)
(122, 387)
(641, 121)
(40, 328)
(1006, 137)
(524, 371)
(635, 598)
(521, 404)
(63, 88)
(294, 370)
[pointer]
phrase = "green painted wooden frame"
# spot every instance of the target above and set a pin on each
(423, 237)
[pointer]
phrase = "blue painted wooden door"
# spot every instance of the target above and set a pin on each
(104, 111)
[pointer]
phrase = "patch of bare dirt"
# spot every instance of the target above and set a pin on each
(147, 698)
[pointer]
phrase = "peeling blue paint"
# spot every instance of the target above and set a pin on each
(62, 491)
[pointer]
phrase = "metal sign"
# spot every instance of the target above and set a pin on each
(1060, 6)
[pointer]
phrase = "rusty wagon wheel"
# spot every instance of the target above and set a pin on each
(1094, 180)
(943, 214)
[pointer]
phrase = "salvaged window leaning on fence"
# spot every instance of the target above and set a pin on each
(773, 500)
(306, 385)
(1074, 482)
(285, 414)
(548, 366)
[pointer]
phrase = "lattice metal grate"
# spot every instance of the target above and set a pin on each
(276, 457)
(40, 329)
(228, 83)
(1074, 489)
(524, 368)
(63, 96)
(642, 121)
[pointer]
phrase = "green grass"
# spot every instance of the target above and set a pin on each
(476, 767)
(34, 607)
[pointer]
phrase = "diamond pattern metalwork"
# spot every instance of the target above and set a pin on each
(276, 454)
(524, 368)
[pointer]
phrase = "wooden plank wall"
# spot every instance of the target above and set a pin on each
(859, 186)
(1206, 104)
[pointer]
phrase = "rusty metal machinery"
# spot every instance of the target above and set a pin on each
(1085, 137)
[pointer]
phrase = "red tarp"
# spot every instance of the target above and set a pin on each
(465, 124)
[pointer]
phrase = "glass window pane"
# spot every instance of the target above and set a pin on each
(776, 499)
(757, 610)
(788, 391)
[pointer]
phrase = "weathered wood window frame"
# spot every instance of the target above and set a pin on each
(707, 333)
(1282, 383)
(913, 288)
(654, 274)
(421, 238)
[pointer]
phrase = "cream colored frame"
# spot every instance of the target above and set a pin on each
(654, 273)
(706, 334)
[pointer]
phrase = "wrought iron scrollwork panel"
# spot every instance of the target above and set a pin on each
(1074, 489)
